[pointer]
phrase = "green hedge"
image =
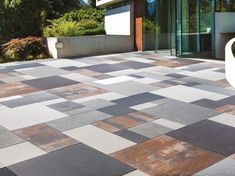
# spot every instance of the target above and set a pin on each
(22, 49)
(85, 21)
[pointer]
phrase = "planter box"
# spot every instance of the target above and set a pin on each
(230, 63)
(69, 47)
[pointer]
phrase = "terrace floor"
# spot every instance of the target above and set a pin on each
(132, 114)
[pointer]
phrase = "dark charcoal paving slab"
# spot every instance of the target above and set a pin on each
(210, 135)
(72, 68)
(50, 82)
(129, 135)
(137, 99)
(6, 172)
(105, 68)
(208, 103)
(77, 160)
(116, 110)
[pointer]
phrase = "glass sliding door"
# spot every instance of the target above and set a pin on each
(195, 27)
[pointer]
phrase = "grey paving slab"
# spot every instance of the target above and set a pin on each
(22, 65)
(180, 112)
(65, 106)
(78, 111)
(29, 99)
(137, 99)
(134, 137)
(135, 65)
(208, 103)
(116, 110)
(150, 130)
(44, 71)
(210, 135)
(104, 68)
(50, 82)
(78, 120)
(216, 89)
(6, 172)
(225, 167)
(97, 103)
(7, 138)
(130, 88)
(72, 161)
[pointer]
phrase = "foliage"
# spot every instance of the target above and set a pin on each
(20, 18)
(150, 27)
(86, 21)
(85, 14)
(28, 48)
(233, 48)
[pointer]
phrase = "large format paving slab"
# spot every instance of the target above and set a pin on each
(131, 114)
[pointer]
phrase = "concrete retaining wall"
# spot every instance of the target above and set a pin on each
(69, 47)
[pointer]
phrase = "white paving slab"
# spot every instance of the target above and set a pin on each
(10, 98)
(143, 106)
(188, 94)
(99, 139)
(19, 152)
(115, 80)
(226, 119)
(28, 115)
(169, 124)
(147, 80)
(60, 63)
(136, 173)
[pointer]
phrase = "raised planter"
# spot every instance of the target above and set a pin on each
(70, 47)
(230, 63)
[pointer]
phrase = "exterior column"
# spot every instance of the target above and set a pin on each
(138, 25)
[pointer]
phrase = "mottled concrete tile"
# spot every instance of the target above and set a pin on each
(46, 137)
(72, 161)
(78, 120)
(50, 82)
(210, 135)
(66, 106)
(7, 138)
(167, 156)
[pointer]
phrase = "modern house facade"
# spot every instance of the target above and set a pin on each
(175, 27)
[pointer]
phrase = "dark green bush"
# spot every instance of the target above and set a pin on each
(85, 21)
(233, 48)
(21, 18)
(85, 14)
(22, 49)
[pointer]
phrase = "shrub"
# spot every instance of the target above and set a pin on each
(61, 28)
(85, 21)
(20, 18)
(85, 14)
(28, 48)
(150, 27)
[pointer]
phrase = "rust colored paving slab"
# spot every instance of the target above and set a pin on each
(12, 89)
(46, 137)
(227, 108)
(77, 91)
(165, 155)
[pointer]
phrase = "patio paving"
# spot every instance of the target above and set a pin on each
(131, 114)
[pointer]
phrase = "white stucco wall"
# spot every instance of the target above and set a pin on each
(119, 21)
(224, 31)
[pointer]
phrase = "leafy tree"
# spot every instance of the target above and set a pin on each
(20, 18)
